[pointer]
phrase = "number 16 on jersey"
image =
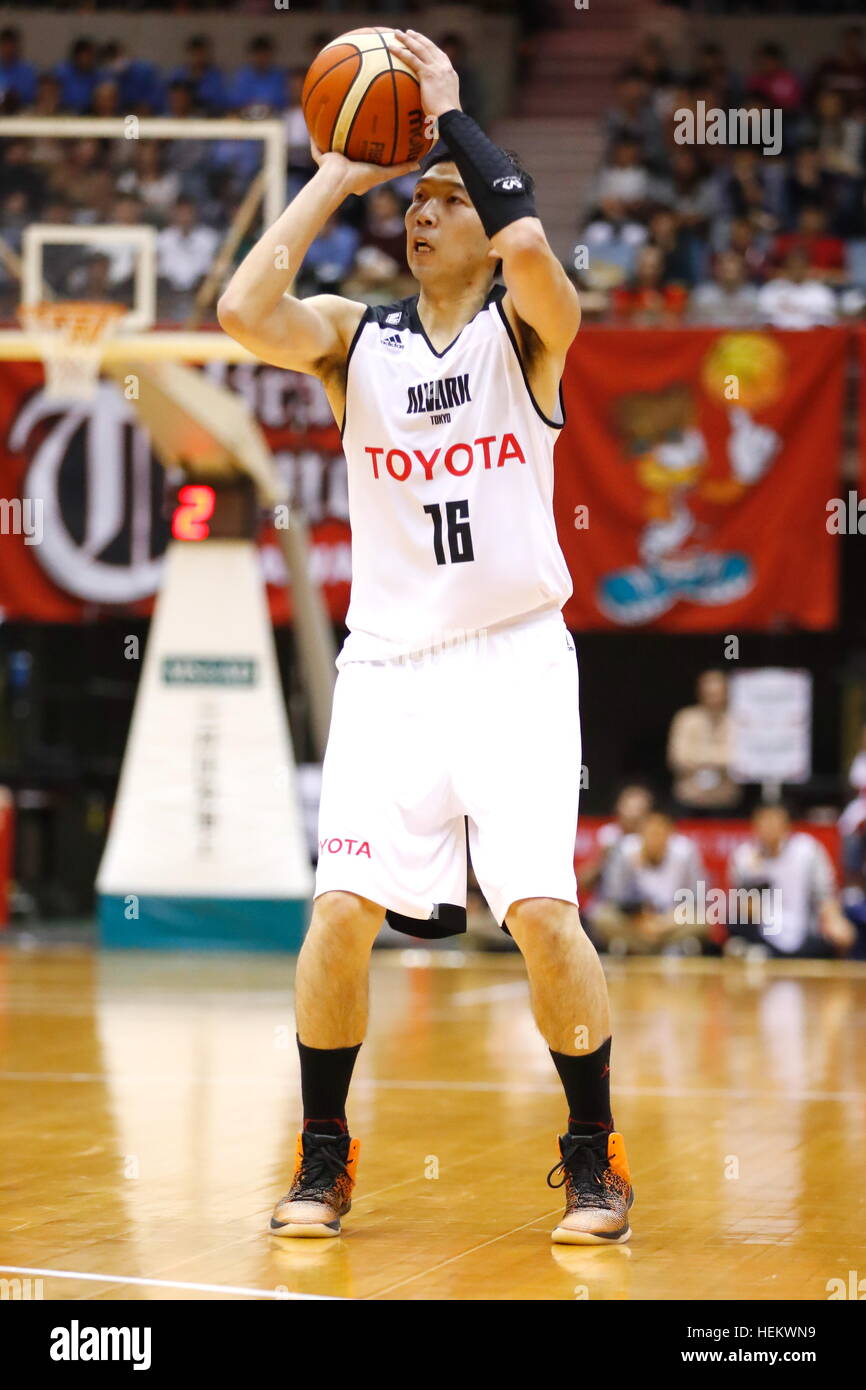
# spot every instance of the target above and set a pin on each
(457, 528)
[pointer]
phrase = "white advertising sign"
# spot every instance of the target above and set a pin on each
(771, 725)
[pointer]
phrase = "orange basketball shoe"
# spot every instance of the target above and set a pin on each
(598, 1190)
(321, 1190)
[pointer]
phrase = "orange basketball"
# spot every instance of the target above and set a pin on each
(362, 101)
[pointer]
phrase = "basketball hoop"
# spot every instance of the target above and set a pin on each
(71, 335)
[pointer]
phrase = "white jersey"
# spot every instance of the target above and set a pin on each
(450, 466)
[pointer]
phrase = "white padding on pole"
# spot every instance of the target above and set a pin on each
(207, 804)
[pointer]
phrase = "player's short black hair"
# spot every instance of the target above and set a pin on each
(440, 154)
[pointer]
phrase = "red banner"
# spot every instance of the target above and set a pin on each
(96, 545)
(693, 479)
(693, 476)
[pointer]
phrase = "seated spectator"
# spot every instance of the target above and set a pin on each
(825, 254)
(122, 258)
(58, 260)
(106, 98)
(47, 100)
(713, 73)
(634, 119)
(139, 84)
(652, 62)
(668, 234)
(258, 89)
(795, 299)
(806, 183)
(690, 191)
(752, 246)
(383, 225)
(101, 195)
(15, 215)
(845, 70)
(91, 278)
(625, 177)
(330, 258)
(301, 165)
(727, 300)
(19, 176)
(73, 176)
(191, 159)
(647, 302)
(774, 80)
(743, 191)
(151, 180)
(17, 77)
(629, 813)
(699, 749)
(852, 822)
(203, 76)
(838, 133)
(376, 278)
(648, 873)
(471, 90)
(800, 913)
(612, 240)
(78, 75)
(185, 251)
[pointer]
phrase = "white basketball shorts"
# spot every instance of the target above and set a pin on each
(483, 733)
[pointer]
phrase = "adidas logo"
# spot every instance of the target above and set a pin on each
(392, 340)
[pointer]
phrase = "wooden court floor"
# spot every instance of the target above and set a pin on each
(150, 1105)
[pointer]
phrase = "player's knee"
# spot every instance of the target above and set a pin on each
(346, 915)
(545, 919)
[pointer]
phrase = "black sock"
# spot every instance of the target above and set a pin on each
(325, 1076)
(586, 1080)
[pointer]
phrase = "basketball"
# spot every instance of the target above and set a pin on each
(360, 100)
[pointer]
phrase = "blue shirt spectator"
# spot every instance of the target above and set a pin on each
(78, 76)
(203, 76)
(139, 84)
(260, 83)
(209, 88)
(16, 76)
(332, 254)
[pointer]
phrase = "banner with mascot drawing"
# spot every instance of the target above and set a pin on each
(693, 477)
(692, 482)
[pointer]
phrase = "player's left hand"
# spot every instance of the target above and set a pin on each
(440, 86)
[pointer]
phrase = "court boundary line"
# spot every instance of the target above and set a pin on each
(119, 1280)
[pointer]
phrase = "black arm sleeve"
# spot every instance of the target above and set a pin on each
(497, 188)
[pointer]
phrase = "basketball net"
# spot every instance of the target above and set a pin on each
(71, 335)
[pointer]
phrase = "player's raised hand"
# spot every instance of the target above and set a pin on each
(358, 177)
(440, 86)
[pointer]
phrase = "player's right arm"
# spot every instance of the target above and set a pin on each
(257, 308)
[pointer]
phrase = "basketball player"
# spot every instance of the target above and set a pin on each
(456, 704)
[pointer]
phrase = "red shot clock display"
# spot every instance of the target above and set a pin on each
(217, 509)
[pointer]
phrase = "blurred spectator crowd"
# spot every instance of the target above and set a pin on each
(188, 189)
(731, 234)
(645, 889)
